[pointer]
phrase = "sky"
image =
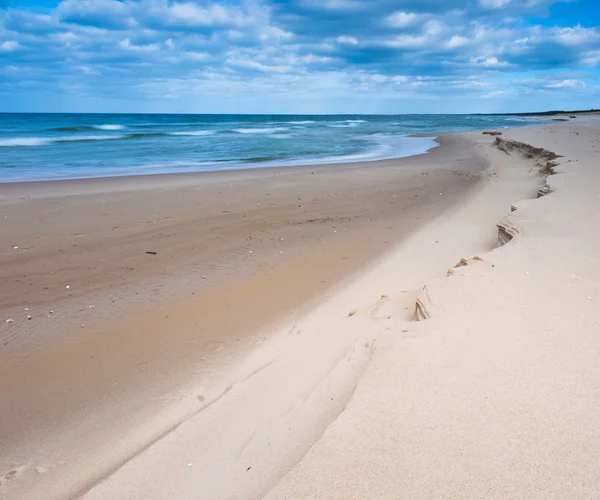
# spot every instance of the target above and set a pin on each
(299, 56)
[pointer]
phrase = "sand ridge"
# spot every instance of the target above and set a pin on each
(496, 394)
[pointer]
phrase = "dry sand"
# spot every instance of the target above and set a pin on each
(495, 393)
(117, 336)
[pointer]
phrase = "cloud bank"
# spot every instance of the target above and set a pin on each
(292, 56)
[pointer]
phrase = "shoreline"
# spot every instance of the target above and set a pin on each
(348, 217)
(176, 178)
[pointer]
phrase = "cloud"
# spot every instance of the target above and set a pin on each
(457, 41)
(127, 45)
(348, 40)
(9, 46)
(409, 49)
(401, 19)
(489, 62)
(247, 63)
(494, 4)
(566, 84)
(101, 13)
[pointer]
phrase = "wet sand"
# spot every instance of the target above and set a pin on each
(137, 287)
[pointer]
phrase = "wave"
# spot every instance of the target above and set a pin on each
(194, 132)
(85, 138)
(25, 141)
(273, 130)
(345, 123)
(44, 141)
(142, 135)
(108, 127)
(84, 128)
(383, 146)
(306, 122)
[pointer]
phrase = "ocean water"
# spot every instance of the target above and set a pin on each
(68, 146)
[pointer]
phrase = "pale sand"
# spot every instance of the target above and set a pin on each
(137, 343)
(497, 395)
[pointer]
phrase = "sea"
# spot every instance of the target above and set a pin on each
(69, 146)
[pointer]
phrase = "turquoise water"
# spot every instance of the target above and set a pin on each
(67, 146)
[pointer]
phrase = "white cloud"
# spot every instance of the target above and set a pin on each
(195, 56)
(279, 43)
(566, 84)
(313, 59)
(346, 40)
(87, 70)
(576, 35)
(401, 19)
(66, 37)
(457, 41)
(250, 64)
(127, 45)
(406, 42)
(494, 4)
(339, 5)
(191, 14)
(96, 11)
(9, 46)
(274, 33)
(433, 27)
(489, 62)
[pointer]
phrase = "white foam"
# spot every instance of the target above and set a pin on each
(260, 130)
(76, 138)
(109, 127)
(385, 146)
(43, 141)
(25, 141)
(194, 132)
(306, 122)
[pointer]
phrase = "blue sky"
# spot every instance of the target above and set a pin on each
(299, 56)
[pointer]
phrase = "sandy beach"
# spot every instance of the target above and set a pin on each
(414, 328)
(138, 287)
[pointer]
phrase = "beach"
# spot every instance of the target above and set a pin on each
(424, 327)
(138, 287)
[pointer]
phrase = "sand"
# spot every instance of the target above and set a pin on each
(120, 339)
(459, 360)
(497, 394)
